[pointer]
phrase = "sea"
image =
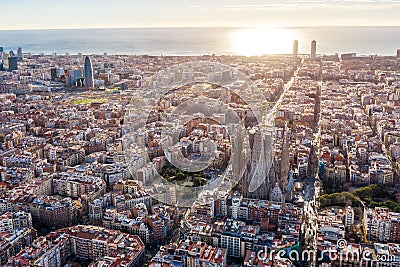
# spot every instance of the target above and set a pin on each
(200, 41)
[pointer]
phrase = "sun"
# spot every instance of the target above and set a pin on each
(258, 41)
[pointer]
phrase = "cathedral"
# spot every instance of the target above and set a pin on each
(267, 174)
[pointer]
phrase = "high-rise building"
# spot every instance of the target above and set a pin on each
(1, 49)
(19, 52)
(77, 78)
(313, 49)
(398, 53)
(53, 72)
(89, 80)
(295, 48)
(12, 63)
(5, 61)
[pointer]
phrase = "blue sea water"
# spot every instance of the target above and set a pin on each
(198, 41)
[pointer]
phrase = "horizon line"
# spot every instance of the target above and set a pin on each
(207, 27)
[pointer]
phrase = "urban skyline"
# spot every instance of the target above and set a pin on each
(98, 162)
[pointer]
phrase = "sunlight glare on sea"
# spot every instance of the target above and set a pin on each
(257, 41)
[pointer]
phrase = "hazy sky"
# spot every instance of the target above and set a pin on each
(46, 14)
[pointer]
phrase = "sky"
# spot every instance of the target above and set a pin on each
(71, 14)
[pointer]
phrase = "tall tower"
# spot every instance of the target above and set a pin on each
(53, 74)
(89, 80)
(12, 63)
(313, 49)
(254, 168)
(398, 53)
(5, 60)
(295, 49)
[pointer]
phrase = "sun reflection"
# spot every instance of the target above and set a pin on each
(249, 42)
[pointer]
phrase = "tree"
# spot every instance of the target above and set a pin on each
(180, 176)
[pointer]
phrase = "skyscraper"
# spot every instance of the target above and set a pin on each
(12, 63)
(89, 80)
(295, 48)
(313, 49)
(398, 53)
(5, 60)
(19, 52)
(1, 49)
(77, 78)
(53, 72)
